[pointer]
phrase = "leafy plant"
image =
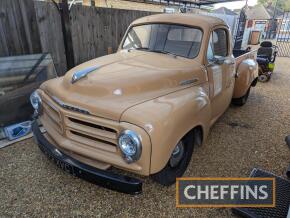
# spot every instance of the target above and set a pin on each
(282, 4)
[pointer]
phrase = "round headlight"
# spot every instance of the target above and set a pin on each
(130, 145)
(35, 100)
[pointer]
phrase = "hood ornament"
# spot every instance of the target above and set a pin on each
(82, 73)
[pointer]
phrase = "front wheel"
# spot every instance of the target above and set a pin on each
(177, 162)
(242, 100)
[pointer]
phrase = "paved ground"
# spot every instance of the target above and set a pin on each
(246, 137)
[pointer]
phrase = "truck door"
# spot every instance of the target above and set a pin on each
(220, 67)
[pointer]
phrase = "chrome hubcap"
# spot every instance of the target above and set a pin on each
(263, 78)
(177, 154)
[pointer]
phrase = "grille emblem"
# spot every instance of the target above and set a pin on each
(82, 73)
(69, 107)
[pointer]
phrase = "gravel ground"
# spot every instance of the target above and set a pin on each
(243, 138)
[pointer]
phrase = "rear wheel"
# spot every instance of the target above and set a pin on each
(242, 100)
(177, 162)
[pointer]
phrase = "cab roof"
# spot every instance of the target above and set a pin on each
(198, 20)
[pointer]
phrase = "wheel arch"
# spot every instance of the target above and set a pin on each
(198, 135)
(168, 119)
(247, 72)
(167, 175)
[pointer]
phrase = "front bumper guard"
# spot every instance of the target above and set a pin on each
(106, 179)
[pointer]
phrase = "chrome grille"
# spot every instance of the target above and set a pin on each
(52, 115)
(95, 135)
(81, 128)
(81, 122)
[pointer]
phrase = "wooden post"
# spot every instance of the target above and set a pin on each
(89, 2)
(110, 50)
(66, 31)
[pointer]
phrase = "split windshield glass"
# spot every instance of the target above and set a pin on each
(165, 38)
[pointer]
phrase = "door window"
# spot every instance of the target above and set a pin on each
(218, 44)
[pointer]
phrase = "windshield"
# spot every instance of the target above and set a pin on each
(165, 38)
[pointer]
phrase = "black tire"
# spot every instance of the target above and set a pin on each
(167, 176)
(242, 100)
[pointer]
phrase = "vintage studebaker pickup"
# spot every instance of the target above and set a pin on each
(144, 108)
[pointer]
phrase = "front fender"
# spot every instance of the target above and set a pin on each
(168, 118)
(247, 72)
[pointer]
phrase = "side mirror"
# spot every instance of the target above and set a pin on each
(219, 60)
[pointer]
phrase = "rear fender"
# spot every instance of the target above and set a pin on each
(247, 72)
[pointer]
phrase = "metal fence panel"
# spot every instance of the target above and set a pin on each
(283, 36)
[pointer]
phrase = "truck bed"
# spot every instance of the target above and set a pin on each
(241, 55)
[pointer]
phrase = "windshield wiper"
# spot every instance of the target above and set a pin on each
(150, 50)
(163, 52)
(140, 48)
(160, 51)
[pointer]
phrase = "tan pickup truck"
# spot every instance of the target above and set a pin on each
(144, 108)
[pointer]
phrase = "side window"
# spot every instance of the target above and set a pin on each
(218, 44)
(138, 37)
(210, 54)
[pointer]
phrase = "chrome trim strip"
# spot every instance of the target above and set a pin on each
(188, 82)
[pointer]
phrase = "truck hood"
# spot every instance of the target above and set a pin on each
(122, 80)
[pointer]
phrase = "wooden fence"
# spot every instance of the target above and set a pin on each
(18, 28)
(94, 30)
(28, 27)
(50, 31)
